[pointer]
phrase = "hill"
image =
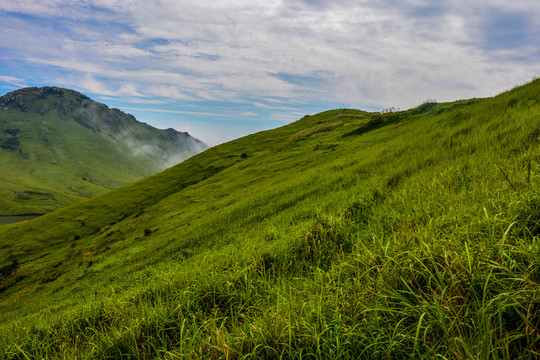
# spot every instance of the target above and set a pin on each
(343, 235)
(58, 147)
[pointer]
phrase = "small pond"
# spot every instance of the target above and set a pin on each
(14, 219)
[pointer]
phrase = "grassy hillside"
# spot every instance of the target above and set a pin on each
(343, 235)
(58, 147)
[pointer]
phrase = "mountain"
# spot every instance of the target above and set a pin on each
(58, 147)
(345, 234)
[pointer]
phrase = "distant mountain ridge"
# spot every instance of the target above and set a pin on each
(58, 145)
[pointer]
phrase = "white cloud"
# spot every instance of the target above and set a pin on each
(121, 51)
(31, 6)
(133, 100)
(13, 80)
(128, 89)
(271, 107)
(168, 91)
(286, 117)
(195, 113)
(92, 85)
(71, 9)
(384, 53)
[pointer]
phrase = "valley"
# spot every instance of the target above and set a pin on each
(59, 147)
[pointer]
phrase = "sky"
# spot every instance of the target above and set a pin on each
(222, 69)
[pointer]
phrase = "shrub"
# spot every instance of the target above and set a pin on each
(7, 270)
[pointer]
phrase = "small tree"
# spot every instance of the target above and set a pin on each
(389, 110)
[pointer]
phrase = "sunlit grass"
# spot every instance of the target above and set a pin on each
(413, 237)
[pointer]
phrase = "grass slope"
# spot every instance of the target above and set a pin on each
(343, 235)
(58, 147)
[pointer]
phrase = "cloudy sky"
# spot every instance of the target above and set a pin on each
(221, 69)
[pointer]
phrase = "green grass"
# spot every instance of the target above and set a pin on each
(58, 147)
(344, 235)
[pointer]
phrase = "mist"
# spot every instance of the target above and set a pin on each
(164, 147)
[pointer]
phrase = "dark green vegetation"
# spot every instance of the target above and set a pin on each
(58, 147)
(344, 235)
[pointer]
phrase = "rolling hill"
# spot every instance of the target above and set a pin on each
(58, 147)
(343, 235)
